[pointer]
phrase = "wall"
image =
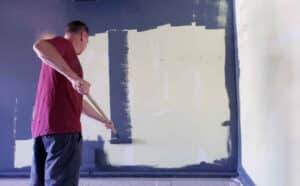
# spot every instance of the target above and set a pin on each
(268, 33)
(268, 44)
(171, 25)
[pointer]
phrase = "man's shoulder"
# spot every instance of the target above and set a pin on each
(58, 40)
(63, 45)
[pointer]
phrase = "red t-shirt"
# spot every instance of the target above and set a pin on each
(58, 106)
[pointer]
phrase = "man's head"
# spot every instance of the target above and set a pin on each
(78, 33)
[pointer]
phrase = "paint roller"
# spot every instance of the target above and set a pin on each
(97, 107)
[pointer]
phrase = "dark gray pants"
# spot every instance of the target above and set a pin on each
(56, 160)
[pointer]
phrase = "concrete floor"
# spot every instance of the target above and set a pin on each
(137, 182)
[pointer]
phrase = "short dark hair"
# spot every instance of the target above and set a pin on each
(76, 26)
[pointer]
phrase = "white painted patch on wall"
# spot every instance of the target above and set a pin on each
(177, 96)
(23, 153)
(177, 107)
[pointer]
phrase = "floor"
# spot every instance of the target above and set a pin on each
(137, 182)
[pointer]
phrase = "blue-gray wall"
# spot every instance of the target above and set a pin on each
(22, 22)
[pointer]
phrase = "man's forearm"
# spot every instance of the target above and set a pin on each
(88, 110)
(49, 55)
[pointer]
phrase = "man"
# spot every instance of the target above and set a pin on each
(56, 126)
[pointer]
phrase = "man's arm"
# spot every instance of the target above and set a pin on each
(49, 55)
(88, 110)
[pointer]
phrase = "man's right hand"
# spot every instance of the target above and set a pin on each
(81, 86)
(108, 124)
